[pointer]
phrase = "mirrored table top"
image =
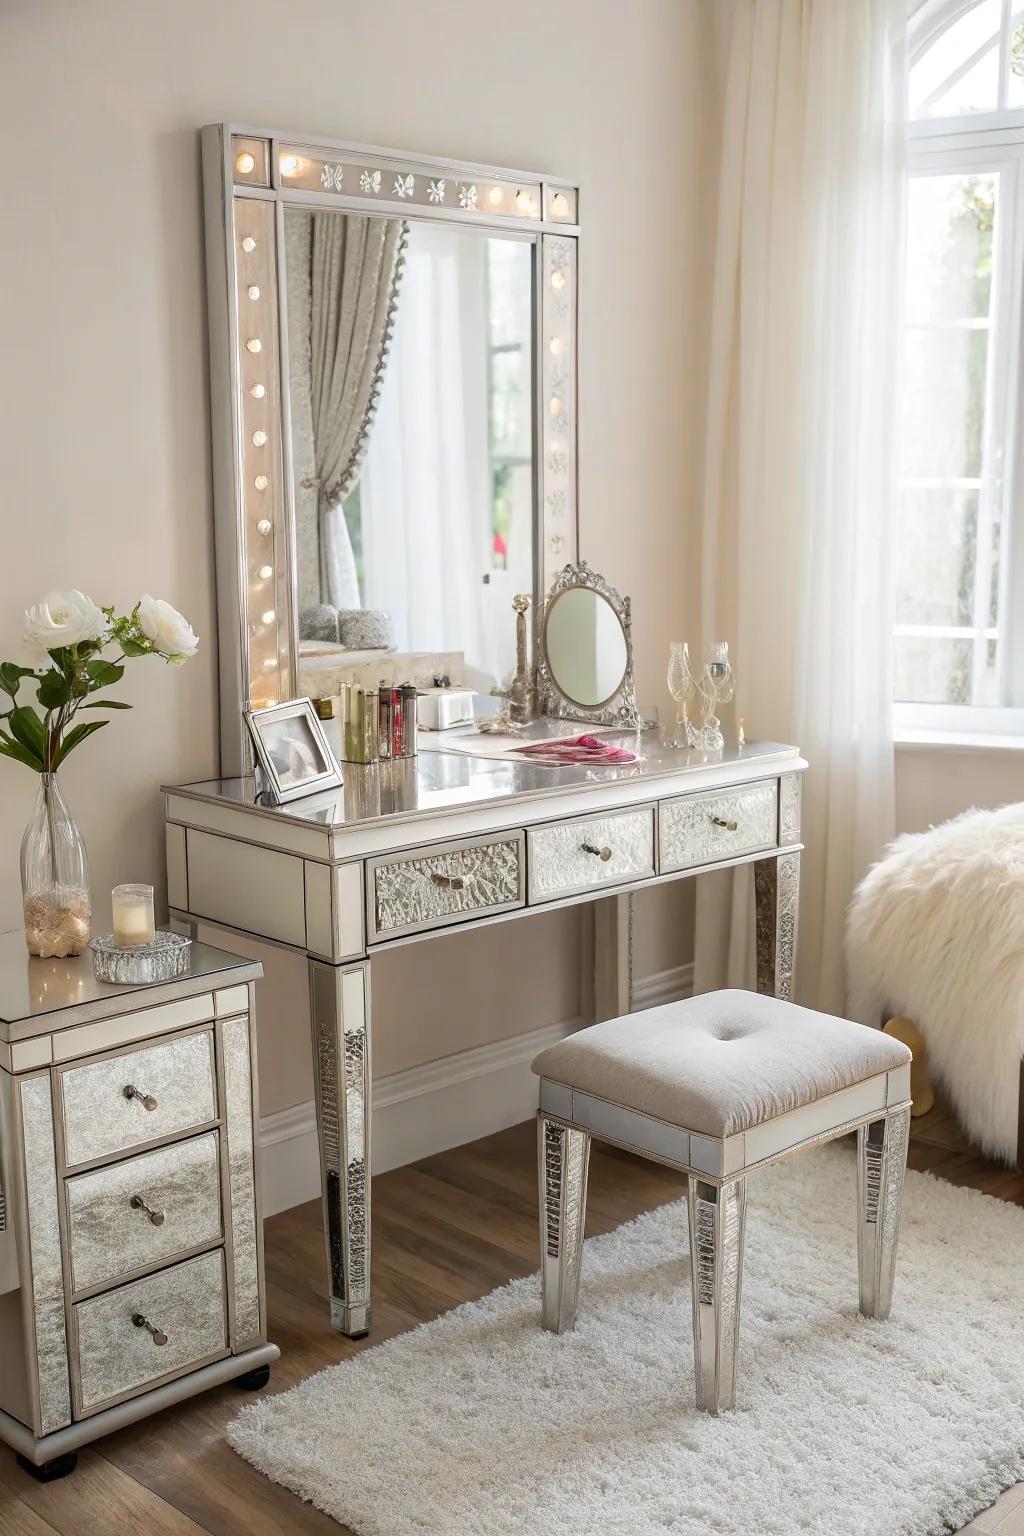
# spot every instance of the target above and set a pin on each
(438, 781)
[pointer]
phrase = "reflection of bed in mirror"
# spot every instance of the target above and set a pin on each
(410, 365)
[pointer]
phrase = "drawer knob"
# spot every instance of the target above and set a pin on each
(604, 854)
(145, 1099)
(158, 1336)
(138, 1204)
(450, 882)
(718, 821)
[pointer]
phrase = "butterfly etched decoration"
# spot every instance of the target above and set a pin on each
(403, 186)
(468, 196)
(436, 191)
(369, 182)
(331, 178)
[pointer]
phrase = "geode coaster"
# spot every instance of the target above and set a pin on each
(162, 959)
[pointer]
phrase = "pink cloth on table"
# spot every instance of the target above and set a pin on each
(577, 749)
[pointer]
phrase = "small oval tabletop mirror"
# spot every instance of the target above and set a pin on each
(586, 647)
(585, 663)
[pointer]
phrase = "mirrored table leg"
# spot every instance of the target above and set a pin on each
(776, 901)
(341, 1067)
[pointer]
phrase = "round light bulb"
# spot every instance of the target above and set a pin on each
(248, 244)
(270, 664)
(524, 202)
(254, 291)
(289, 165)
(265, 572)
(259, 390)
(556, 345)
(261, 482)
(560, 205)
(245, 163)
(495, 196)
(556, 406)
(269, 616)
(254, 344)
(259, 437)
(558, 278)
(264, 525)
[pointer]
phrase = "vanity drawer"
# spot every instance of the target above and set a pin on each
(574, 856)
(109, 1237)
(114, 1358)
(447, 884)
(175, 1078)
(701, 829)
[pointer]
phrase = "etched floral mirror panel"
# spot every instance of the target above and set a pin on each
(393, 359)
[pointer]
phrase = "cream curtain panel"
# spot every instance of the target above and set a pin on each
(799, 474)
(355, 269)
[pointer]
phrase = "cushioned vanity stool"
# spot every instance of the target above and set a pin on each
(719, 1086)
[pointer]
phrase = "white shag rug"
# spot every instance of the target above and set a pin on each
(481, 1424)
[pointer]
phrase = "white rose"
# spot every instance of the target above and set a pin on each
(172, 635)
(64, 618)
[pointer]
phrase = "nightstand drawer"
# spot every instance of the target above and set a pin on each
(124, 1101)
(144, 1211)
(148, 1331)
(701, 829)
(445, 884)
(575, 856)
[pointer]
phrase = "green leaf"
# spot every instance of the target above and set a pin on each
(20, 754)
(11, 676)
(53, 690)
(27, 728)
(103, 674)
(75, 737)
(135, 647)
(106, 704)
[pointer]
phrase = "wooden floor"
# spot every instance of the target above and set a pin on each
(446, 1230)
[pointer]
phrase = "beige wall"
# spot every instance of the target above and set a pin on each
(935, 783)
(103, 392)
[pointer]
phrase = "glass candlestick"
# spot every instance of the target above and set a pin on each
(133, 915)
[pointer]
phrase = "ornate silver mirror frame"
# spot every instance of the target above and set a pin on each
(250, 176)
(620, 708)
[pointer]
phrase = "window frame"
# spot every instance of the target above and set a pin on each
(987, 142)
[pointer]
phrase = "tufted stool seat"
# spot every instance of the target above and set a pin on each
(720, 1085)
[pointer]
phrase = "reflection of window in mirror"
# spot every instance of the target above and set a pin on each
(435, 526)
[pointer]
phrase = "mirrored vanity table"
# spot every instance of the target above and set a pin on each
(393, 385)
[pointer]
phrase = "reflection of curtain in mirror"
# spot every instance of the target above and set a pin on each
(355, 266)
(425, 486)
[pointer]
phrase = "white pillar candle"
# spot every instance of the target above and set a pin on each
(133, 915)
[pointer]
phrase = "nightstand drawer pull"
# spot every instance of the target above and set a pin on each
(719, 821)
(449, 882)
(157, 1334)
(604, 854)
(145, 1099)
(138, 1204)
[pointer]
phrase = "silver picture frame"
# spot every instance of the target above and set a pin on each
(620, 707)
(268, 733)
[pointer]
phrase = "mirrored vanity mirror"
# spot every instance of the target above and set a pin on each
(393, 364)
(585, 661)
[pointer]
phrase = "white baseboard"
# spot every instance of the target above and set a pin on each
(415, 1113)
(663, 987)
(439, 1105)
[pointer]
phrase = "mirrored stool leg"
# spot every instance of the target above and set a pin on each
(563, 1158)
(881, 1164)
(716, 1253)
(341, 1066)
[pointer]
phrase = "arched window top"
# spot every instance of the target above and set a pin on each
(966, 57)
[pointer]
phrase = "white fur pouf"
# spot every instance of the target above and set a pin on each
(936, 932)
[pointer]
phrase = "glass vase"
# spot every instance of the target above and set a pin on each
(54, 877)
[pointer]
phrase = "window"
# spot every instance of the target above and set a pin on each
(959, 557)
(509, 361)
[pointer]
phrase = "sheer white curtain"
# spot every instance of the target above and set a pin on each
(799, 468)
(424, 488)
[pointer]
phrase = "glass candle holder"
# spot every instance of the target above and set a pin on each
(133, 915)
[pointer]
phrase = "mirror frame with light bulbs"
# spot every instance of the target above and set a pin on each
(620, 706)
(250, 176)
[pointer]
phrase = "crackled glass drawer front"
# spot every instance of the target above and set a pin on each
(125, 1101)
(449, 884)
(144, 1211)
(130, 1338)
(594, 851)
(701, 829)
